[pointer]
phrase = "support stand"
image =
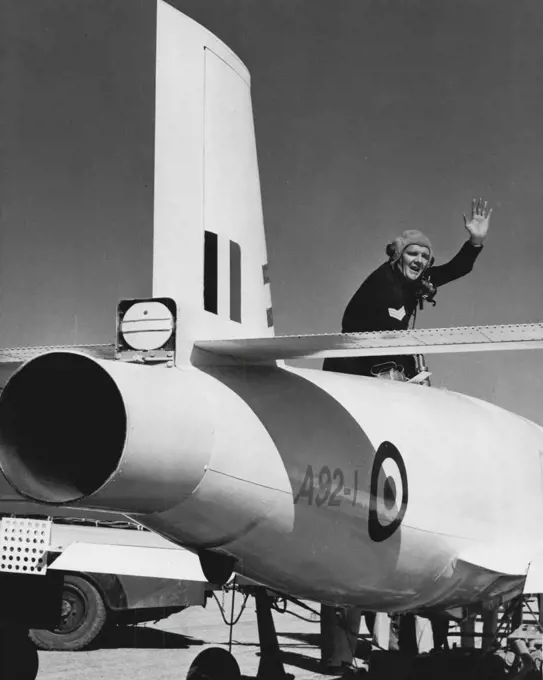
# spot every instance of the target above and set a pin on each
(270, 666)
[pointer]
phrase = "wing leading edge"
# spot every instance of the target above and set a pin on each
(426, 341)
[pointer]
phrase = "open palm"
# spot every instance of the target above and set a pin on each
(477, 226)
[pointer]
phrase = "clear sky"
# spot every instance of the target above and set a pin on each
(371, 117)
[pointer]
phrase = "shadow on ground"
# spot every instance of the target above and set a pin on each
(140, 637)
(307, 663)
(347, 675)
(363, 647)
(311, 639)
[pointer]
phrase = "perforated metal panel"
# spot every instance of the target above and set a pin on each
(24, 544)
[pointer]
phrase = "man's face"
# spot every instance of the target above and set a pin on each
(413, 261)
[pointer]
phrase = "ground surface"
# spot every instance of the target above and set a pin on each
(164, 651)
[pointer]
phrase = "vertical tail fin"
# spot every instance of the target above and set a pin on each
(209, 243)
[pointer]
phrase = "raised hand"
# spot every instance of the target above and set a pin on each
(477, 226)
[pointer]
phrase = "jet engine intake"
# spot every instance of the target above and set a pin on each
(119, 435)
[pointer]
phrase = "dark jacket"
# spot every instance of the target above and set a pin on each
(386, 301)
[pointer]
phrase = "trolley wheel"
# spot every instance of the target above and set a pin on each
(83, 617)
(214, 663)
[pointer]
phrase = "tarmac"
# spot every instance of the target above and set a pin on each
(165, 650)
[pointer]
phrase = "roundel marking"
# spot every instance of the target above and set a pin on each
(388, 492)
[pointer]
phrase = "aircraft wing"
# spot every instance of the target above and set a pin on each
(423, 341)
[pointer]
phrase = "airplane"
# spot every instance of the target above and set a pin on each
(339, 489)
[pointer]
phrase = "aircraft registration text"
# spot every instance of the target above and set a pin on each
(386, 493)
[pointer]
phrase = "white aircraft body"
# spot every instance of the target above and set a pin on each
(336, 488)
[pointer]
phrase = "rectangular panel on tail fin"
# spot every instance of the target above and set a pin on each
(427, 341)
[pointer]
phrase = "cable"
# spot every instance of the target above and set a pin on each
(285, 610)
(298, 616)
(221, 609)
(231, 628)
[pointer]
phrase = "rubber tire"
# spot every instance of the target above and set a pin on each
(96, 616)
(214, 663)
(18, 656)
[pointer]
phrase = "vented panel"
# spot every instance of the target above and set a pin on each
(24, 544)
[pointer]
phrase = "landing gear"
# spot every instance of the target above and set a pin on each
(270, 666)
(18, 656)
(216, 663)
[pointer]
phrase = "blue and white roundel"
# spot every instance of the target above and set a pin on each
(388, 492)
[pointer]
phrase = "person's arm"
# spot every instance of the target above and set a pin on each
(462, 263)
